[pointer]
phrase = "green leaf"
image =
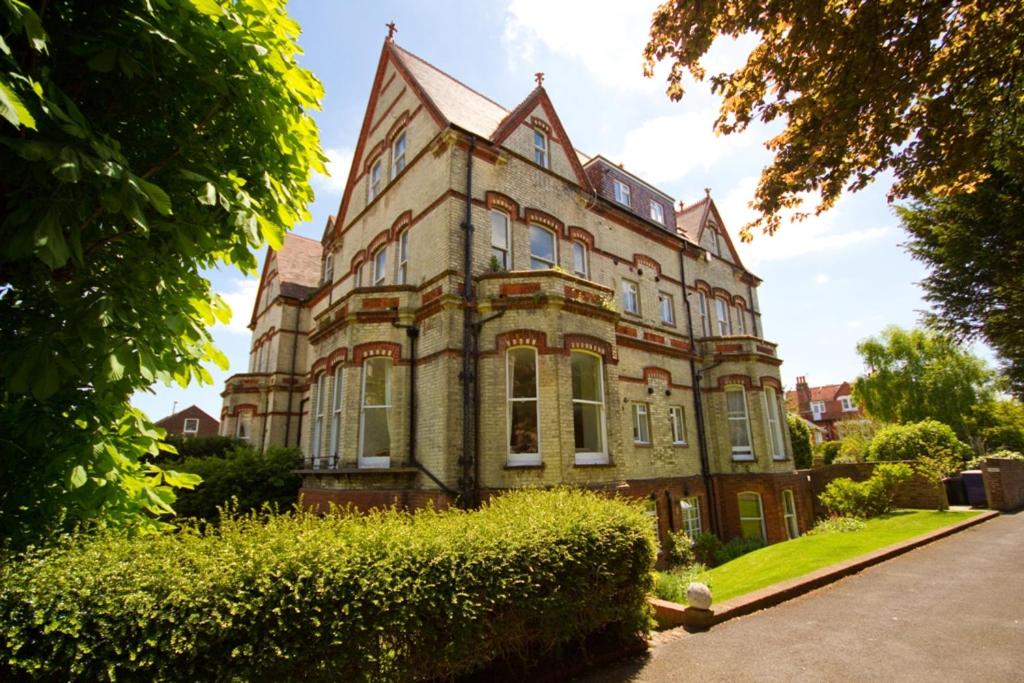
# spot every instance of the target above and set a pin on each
(12, 108)
(46, 381)
(157, 197)
(115, 368)
(34, 29)
(78, 477)
(208, 196)
(182, 480)
(208, 7)
(50, 244)
(104, 60)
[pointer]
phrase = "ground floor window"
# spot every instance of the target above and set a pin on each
(641, 424)
(751, 516)
(691, 516)
(243, 428)
(375, 414)
(523, 406)
(651, 507)
(319, 398)
(739, 423)
(588, 408)
(789, 513)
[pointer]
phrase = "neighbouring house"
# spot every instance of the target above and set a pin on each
(825, 407)
(491, 309)
(190, 422)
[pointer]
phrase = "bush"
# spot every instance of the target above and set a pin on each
(710, 551)
(917, 439)
(388, 596)
(737, 547)
(679, 549)
(672, 585)
(800, 436)
(836, 525)
(976, 462)
(846, 498)
(201, 446)
(244, 474)
(706, 548)
(828, 450)
(851, 449)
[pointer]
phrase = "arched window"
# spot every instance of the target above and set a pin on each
(543, 252)
(375, 414)
(580, 262)
(500, 242)
(751, 516)
(319, 399)
(336, 407)
(540, 148)
(789, 513)
(739, 423)
(402, 271)
(588, 409)
(398, 156)
(523, 406)
(774, 427)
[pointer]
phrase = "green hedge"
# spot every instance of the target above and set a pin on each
(845, 497)
(390, 596)
(916, 439)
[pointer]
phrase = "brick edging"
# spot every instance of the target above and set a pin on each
(786, 590)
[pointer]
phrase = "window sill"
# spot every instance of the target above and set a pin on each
(680, 444)
(780, 458)
(525, 466)
(632, 314)
(744, 458)
(594, 464)
(643, 444)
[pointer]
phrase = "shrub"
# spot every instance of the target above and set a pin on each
(388, 596)
(672, 585)
(706, 547)
(836, 525)
(800, 436)
(737, 547)
(710, 551)
(828, 450)
(249, 477)
(852, 449)
(976, 462)
(679, 549)
(911, 441)
(201, 446)
(847, 498)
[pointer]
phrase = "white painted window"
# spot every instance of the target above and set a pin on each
(630, 297)
(398, 156)
(691, 516)
(702, 306)
(751, 516)
(191, 426)
(336, 410)
(375, 414)
(621, 191)
(641, 423)
(328, 270)
(847, 404)
(657, 212)
(667, 308)
(380, 267)
(817, 409)
(376, 182)
(774, 428)
(523, 406)
(243, 426)
(589, 430)
(319, 399)
(715, 239)
(678, 420)
(499, 239)
(789, 513)
(739, 423)
(579, 259)
(542, 248)
(402, 272)
(722, 312)
(741, 322)
(651, 508)
(359, 276)
(540, 148)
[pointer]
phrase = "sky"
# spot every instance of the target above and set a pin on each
(829, 281)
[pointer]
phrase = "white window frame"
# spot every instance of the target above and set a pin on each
(593, 457)
(789, 514)
(702, 307)
(243, 434)
(503, 254)
(554, 249)
(620, 191)
(716, 240)
(677, 417)
(773, 427)
(641, 415)
(847, 404)
(358, 276)
(690, 506)
(741, 323)
(521, 459)
(328, 276)
(380, 267)
(580, 260)
(630, 297)
(817, 409)
(722, 317)
(319, 398)
(398, 155)
(337, 405)
(667, 304)
(194, 430)
(651, 508)
(402, 269)
(541, 149)
(760, 508)
(375, 180)
(739, 452)
(657, 212)
(375, 461)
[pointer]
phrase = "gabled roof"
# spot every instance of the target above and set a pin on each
(691, 221)
(191, 410)
(298, 269)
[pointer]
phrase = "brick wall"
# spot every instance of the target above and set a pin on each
(770, 487)
(1004, 483)
(917, 493)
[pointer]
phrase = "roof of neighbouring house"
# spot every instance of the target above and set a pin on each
(192, 411)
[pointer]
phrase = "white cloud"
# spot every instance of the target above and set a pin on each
(339, 162)
(241, 297)
(816, 234)
(821, 279)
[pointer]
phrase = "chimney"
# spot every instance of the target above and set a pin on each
(803, 395)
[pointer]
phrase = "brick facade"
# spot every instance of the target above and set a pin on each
(1004, 483)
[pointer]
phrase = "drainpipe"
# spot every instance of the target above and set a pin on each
(467, 483)
(291, 385)
(702, 443)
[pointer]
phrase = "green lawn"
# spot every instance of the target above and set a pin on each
(806, 554)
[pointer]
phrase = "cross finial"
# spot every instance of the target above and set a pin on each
(539, 77)
(707, 191)
(392, 30)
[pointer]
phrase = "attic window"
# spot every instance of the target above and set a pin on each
(540, 148)
(375, 180)
(398, 156)
(847, 403)
(621, 191)
(716, 241)
(191, 425)
(328, 270)
(657, 212)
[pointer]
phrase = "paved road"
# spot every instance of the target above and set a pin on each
(950, 611)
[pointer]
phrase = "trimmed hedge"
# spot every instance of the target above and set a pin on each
(916, 439)
(388, 596)
(845, 497)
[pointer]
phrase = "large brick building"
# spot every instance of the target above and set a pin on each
(493, 309)
(827, 407)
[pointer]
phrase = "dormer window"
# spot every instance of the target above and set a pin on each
(376, 181)
(540, 148)
(621, 190)
(657, 212)
(398, 156)
(817, 409)
(847, 403)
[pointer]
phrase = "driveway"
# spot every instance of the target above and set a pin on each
(949, 611)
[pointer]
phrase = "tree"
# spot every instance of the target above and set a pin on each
(800, 436)
(144, 142)
(932, 91)
(1000, 425)
(919, 374)
(973, 245)
(932, 445)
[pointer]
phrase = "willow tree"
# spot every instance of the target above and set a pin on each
(143, 142)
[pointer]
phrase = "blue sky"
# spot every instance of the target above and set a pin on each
(828, 282)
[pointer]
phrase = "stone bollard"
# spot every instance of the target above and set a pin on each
(698, 615)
